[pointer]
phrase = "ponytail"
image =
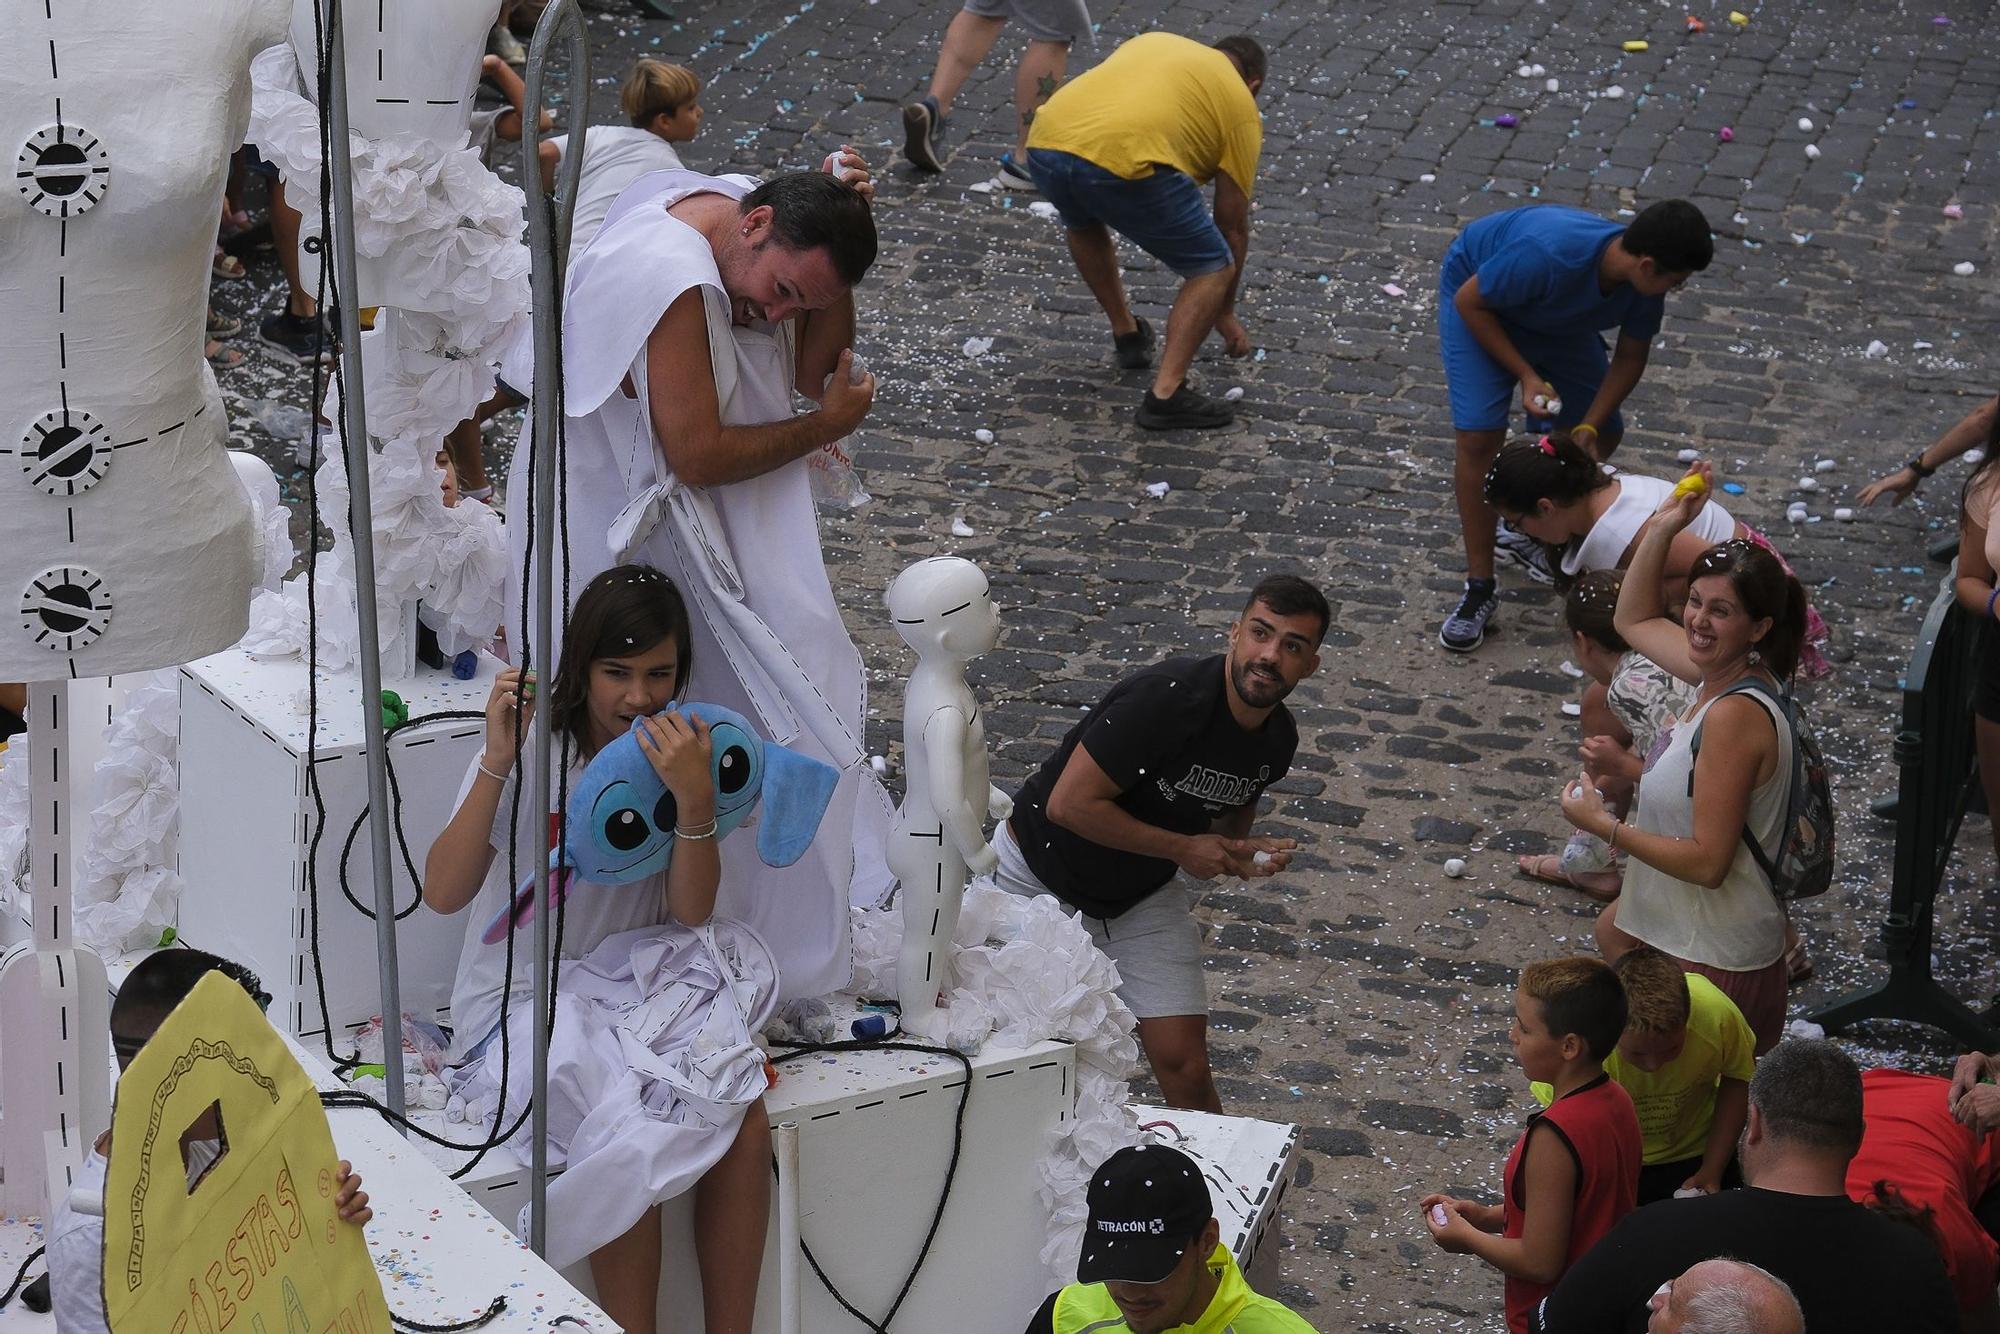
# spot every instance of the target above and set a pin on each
(1553, 467)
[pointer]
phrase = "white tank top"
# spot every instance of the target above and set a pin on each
(1740, 924)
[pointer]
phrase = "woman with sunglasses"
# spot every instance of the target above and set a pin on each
(1692, 887)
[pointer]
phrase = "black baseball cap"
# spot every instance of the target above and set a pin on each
(1147, 1206)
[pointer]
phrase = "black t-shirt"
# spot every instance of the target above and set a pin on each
(1166, 736)
(1044, 1321)
(1853, 1271)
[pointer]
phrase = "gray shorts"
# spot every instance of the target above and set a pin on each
(1155, 943)
(1065, 21)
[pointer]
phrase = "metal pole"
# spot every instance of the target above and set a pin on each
(548, 242)
(360, 525)
(785, 1143)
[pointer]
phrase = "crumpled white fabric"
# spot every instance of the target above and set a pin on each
(1025, 971)
(652, 1061)
(446, 235)
(13, 823)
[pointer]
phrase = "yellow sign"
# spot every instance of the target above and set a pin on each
(254, 1246)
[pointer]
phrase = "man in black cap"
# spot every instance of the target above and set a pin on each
(1152, 1259)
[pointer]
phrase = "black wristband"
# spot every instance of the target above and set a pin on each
(1916, 465)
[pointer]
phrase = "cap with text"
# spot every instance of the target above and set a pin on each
(1147, 1206)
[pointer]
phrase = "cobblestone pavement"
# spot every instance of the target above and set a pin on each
(1364, 994)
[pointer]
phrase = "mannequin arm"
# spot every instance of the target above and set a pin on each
(944, 749)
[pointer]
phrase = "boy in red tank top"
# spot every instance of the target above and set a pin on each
(1575, 1170)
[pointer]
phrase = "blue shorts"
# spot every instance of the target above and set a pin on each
(1482, 391)
(1163, 214)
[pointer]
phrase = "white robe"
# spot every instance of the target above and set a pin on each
(768, 638)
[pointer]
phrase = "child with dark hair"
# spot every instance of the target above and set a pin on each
(626, 656)
(1575, 1170)
(149, 994)
(1522, 297)
(1629, 702)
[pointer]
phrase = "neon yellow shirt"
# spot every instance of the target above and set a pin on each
(1086, 1308)
(1676, 1103)
(1158, 100)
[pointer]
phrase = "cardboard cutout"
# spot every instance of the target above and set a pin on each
(256, 1244)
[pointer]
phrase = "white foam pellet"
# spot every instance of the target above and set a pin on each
(1812, 151)
(1526, 71)
(1808, 484)
(1157, 489)
(1795, 513)
(1824, 465)
(1042, 208)
(977, 347)
(1427, 178)
(1571, 709)
(1260, 859)
(1613, 93)
(1233, 393)
(983, 436)
(1570, 669)
(1805, 124)
(1876, 348)
(1390, 289)
(1688, 455)
(1844, 514)
(1553, 86)
(1539, 71)
(1454, 867)
(1965, 268)
(1974, 457)
(878, 764)
(959, 527)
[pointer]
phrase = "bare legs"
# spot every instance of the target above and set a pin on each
(1195, 311)
(1476, 452)
(285, 238)
(1097, 261)
(1035, 81)
(968, 41)
(1177, 1048)
(732, 1207)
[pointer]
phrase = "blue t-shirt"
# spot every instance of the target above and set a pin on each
(1537, 269)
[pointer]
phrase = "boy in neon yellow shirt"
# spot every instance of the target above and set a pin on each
(1686, 1058)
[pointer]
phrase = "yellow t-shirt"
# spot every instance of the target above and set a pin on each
(1158, 100)
(1676, 1103)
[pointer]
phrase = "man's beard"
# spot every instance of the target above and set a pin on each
(1258, 691)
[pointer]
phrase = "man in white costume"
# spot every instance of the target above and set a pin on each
(690, 319)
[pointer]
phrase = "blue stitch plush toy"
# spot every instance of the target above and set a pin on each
(620, 816)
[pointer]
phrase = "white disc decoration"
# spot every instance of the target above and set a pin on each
(65, 452)
(65, 607)
(62, 171)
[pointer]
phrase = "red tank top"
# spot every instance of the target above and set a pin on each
(1600, 1130)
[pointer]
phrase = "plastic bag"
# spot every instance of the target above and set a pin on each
(836, 484)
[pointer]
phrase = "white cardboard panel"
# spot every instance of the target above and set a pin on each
(1249, 1165)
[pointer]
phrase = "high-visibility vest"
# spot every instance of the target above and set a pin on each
(1086, 1308)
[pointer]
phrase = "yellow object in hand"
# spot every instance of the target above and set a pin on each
(1694, 484)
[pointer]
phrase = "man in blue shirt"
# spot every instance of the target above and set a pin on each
(1521, 299)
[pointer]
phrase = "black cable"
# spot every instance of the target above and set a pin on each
(396, 816)
(950, 1171)
(491, 1314)
(20, 1276)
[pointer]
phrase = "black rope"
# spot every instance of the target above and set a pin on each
(396, 817)
(491, 1314)
(20, 1276)
(944, 1191)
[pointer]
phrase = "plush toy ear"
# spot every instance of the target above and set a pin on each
(796, 791)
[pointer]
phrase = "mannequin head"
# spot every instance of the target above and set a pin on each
(944, 609)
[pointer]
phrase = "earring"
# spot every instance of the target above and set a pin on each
(1755, 657)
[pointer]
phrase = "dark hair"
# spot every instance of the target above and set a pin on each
(813, 211)
(1887, 1199)
(1765, 588)
(1552, 467)
(1248, 55)
(626, 610)
(1591, 608)
(1579, 995)
(161, 981)
(1289, 595)
(1674, 235)
(1809, 1093)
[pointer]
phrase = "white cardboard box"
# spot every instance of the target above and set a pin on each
(876, 1135)
(1248, 1164)
(248, 821)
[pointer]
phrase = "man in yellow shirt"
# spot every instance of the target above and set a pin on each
(1152, 1261)
(1126, 147)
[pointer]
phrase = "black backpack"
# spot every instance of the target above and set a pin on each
(1804, 864)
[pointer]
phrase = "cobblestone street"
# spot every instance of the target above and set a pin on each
(1364, 994)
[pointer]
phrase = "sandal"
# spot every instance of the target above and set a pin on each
(1603, 886)
(227, 266)
(1798, 964)
(221, 357)
(223, 325)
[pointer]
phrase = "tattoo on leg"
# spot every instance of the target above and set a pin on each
(1045, 87)
(1027, 119)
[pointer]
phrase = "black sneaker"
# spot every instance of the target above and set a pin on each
(1465, 629)
(304, 336)
(1134, 350)
(1530, 556)
(1186, 410)
(923, 134)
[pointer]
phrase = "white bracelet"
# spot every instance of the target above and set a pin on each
(480, 764)
(709, 832)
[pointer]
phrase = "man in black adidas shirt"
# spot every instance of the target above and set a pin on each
(1163, 777)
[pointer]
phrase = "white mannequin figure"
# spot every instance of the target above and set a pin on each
(942, 609)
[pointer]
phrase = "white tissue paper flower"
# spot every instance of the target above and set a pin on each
(139, 908)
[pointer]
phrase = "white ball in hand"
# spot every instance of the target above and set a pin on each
(1261, 859)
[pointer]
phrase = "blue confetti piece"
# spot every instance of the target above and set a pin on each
(1733, 488)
